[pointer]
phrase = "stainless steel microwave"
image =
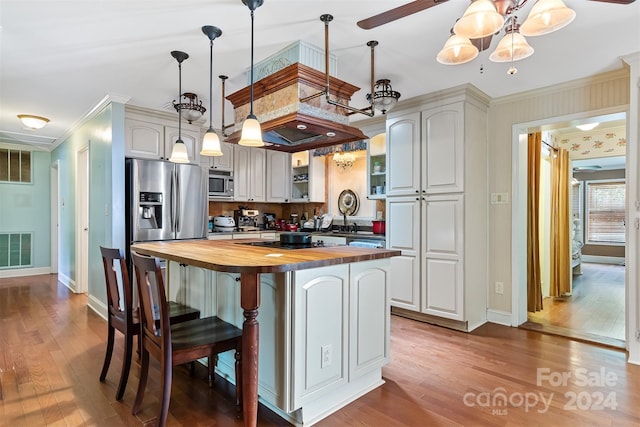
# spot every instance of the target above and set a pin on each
(220, 184)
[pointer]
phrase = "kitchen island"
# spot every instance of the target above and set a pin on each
(326, 317)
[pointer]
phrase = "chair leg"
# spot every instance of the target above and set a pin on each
(126, 365)
(212, 362)
(109, 351)
(166, 368)
(238, 357)
(144, 371)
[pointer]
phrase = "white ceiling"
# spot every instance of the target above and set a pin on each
(59, 59)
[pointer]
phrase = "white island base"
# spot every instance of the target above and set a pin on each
(324, 332)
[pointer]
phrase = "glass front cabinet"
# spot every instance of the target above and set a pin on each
(307, 177)
(377, 166)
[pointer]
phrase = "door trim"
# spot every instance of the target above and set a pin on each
(82, 211)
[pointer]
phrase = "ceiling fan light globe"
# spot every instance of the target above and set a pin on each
(479, 20)
(547, 16)
(457, 50)
(211, 144)
(179, 153)
(515, 41)
(251, 135)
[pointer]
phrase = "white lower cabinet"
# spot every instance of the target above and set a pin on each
(324, 335)
(403, 234)
(443, 257)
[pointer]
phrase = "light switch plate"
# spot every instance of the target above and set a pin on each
(499, 198)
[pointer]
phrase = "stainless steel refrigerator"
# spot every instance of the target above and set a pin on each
(165, 201)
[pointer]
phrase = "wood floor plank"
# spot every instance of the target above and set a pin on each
(52, 347)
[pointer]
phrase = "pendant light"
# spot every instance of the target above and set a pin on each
(179, 153)
(479, 20)
(512, 47)
(211, 141)
(457, 50)
(251, 132)
(547, 16)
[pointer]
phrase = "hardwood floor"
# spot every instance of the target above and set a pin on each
(594, 311)
(52, 347)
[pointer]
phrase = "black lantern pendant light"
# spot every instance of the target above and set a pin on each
(211, 141)
(251, 132)
(179, 153)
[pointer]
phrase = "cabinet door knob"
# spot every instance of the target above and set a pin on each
(238, 279)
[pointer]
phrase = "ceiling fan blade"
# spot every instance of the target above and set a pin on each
(401, 12)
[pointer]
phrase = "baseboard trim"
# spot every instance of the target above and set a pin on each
(66, 280)
(434, 320)
(500, 317)
(97, 306)
(21, 272)
(603, 259)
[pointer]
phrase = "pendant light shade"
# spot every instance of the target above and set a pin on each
(211, 141)
(457, 50)
(479, 20)
(179, 152)
(547, 16)
(251, 135)
(211, 144)
(512, 47)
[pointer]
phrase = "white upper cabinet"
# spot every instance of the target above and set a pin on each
(153, 138)
(190, 138)
(220, 163)
(443, 131)
(403, 155)
(249, 174)
(278, 176)
(144, 139)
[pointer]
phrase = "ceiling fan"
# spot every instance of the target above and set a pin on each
(420, 5)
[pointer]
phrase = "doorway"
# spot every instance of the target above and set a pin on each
(82, 223)
(55, 215)
(594, 307)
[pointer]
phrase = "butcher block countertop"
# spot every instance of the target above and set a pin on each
(236, 257)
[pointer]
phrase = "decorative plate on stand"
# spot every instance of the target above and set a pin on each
(348, 202)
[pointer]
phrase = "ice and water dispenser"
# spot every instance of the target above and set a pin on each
(150, 211)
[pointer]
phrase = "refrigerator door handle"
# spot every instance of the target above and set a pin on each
(178, 199)
(172, 202)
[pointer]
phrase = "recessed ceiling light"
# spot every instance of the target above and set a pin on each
(588, 126)
(301, 127)
(331, 134)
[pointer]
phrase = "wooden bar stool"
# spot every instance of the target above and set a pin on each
(124, 317)
(180, 343)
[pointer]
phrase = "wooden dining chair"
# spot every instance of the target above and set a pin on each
(122, 316)
(180, 343)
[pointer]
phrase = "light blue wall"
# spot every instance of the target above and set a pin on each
(104, 135)
(26, 207)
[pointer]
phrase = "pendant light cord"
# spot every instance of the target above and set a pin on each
(210, 84)
(179, 97)
(251, 106)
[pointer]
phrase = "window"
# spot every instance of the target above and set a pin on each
(605, 212)
(15, 165)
